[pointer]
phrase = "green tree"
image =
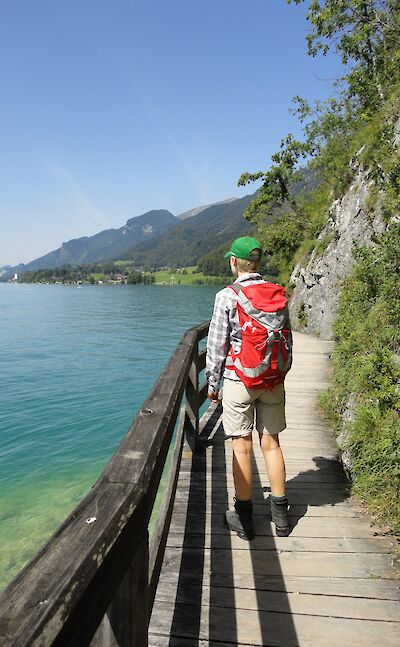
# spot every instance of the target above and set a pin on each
(134, 278)
(214, 263)
(276, 196)
(366, 34)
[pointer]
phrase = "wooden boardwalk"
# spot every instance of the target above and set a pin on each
(330, 583)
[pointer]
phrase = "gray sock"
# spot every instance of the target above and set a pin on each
(282, 497)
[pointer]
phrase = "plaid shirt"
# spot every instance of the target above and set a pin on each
(225, 332)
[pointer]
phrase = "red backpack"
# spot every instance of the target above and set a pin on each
(266, 352)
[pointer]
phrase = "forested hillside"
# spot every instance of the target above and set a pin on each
(337, 248)
(188, 241)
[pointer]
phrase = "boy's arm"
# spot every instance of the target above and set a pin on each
(217, 345)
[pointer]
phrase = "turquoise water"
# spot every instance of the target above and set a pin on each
(76, 363)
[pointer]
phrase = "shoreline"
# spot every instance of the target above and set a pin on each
(116, 283)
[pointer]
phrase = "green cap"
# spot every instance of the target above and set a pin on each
(245, 247)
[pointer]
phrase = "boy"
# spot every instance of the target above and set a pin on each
(245, 408)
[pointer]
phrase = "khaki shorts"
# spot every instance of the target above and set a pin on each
(245, 409)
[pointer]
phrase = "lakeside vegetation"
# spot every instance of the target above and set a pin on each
(120, 273)
(187, 276)
(363, 401)
(87, 274)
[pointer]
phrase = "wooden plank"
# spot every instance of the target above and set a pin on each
(337, 527)
(221, 479)
(266, 628)
(297, 511)
(216, 476)
(379, 589)
(279, 544)
(160, 531)
(202, 360)
(280, 601)
(295, 470)
(294, 467)
(329, 490)
(304, 454)
(326, 465)
(262, 509)
(285, 563)
(327, 453)
(304, 497)
(201, 330)
(203, 391)
(126, 621)
(210, 423)
(157, 640)
(192, 406)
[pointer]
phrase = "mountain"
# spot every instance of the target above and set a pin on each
(105, 246)
(5, 270)
(156, 239)
(204, 229)
(184, 244)
(197, 210)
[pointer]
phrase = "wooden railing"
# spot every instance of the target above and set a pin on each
(95, 580)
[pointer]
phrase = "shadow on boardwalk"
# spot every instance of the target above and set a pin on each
(229, 591)
(318, 496)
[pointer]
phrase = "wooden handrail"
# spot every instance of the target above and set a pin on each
(94, 581)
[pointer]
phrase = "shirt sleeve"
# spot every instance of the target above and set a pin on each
(218, 341)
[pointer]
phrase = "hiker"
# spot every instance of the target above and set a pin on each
(249, 344)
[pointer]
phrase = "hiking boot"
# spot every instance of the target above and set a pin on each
(240, 520)
(279, 515)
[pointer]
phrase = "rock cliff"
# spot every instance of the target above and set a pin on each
(317, 285)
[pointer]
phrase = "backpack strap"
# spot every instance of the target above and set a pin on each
(260, 316)
(235, 287)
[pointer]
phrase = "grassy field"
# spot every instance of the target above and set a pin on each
(184, 276)
(97, 276)
(188, 276)
(123, 264)
(168, 277)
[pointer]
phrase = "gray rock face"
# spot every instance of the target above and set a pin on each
(397, 133)
(315, 298)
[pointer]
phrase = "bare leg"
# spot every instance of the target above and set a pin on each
(242, 467)
(274, 462)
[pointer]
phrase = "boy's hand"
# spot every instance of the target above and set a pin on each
(213, 396)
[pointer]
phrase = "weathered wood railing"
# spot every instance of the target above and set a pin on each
(95, 580)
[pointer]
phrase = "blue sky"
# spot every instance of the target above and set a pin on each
(112, 108)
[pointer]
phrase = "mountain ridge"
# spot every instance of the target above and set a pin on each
(194, 212)
(105, 246)
(202, 229)
(193, 237)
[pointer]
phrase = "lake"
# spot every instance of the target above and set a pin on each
(76, 363)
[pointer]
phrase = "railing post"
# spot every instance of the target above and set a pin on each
(127, 620)
(192, 403)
